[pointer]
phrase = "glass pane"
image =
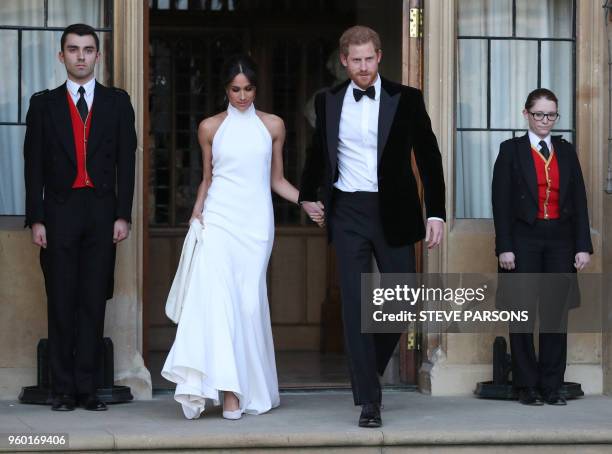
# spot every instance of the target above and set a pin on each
(472, 84)
(557, 75)
(567, 136)
(41, 68)
(9, 76)
(188, 163)
(484, 17)
(475, 157)
(185, 197)
(544, 18)
(65, 12)
(22, 12)
(514, 73)
(12, 187)
(161, 197)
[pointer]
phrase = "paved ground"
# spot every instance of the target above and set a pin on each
(325, 420)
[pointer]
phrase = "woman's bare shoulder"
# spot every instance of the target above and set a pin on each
(274, 123)
(209, 125)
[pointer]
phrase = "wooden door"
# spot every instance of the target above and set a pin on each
(185, 56)
(412, 74)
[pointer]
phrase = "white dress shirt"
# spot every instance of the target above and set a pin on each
(73, 89)
(358, 142)
(535, 141)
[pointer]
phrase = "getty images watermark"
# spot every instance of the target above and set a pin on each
(458, 296)
(472, 303)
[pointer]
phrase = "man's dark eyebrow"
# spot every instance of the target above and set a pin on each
(74, 46)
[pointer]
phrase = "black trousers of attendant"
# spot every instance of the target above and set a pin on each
(77, 264)
(357, 235)
(545, 247)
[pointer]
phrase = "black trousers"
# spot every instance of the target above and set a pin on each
(357, 235)
(77, 265)
(545, 247)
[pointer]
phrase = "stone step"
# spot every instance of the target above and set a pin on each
(326, 422)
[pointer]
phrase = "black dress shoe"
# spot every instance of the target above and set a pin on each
(529, 396)
(553, 398)
(92, 403)
(63, 402)
(370, 416)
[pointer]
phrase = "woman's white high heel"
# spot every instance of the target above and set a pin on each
(232, 414)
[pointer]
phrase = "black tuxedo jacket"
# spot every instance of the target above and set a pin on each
(49, 150)
(403, 125)
(515, 192)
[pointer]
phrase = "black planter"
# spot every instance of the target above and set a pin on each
(106, 391)
(501, 386)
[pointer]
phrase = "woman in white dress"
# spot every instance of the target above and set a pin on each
(223, 347)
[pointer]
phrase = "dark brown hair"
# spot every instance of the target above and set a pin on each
(239, 64)
(539, 93)
(81, 30)
(357, 35)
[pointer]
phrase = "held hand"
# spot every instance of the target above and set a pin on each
(196, 215)
(321, 221)
(506, 260)
(39, 235)
(582, 259)
(121, 230)
(315, 211)
(434, 233)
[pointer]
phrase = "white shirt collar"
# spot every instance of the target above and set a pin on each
(73, 87)
(535, 140)
(377, 85)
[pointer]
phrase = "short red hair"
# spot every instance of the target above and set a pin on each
(356, 35)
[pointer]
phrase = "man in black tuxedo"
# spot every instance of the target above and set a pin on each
(79, 155)
(361, 158)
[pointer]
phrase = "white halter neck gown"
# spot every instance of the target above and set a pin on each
(224, 337)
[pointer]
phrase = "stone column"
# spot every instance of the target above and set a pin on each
(124, 314)
(438, 90)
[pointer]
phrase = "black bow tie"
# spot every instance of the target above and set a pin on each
(370, 92)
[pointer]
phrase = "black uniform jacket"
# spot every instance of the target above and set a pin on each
(515, 192)
(49, 150)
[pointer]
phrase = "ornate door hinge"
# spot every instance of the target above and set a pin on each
(416, 22)
(411, 340)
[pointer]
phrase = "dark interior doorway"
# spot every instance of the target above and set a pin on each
(294, 43)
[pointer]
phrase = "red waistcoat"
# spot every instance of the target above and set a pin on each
(80, 132)
(547, 172)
